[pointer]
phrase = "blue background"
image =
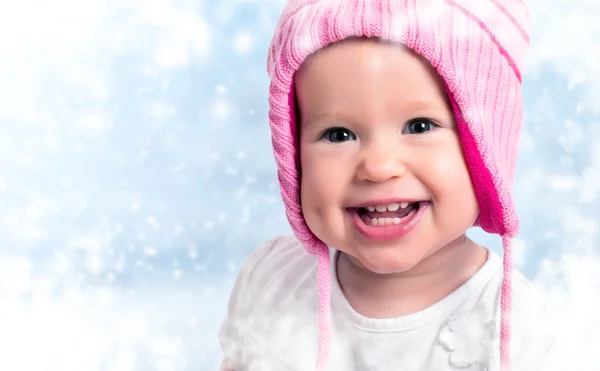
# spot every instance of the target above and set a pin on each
(136, 175)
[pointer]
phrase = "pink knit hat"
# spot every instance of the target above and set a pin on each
(478, 49)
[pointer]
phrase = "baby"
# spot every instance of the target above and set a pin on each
(395, 127)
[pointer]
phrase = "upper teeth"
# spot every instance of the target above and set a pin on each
(390, 207)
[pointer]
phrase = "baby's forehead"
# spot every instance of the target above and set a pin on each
(344, 63)
(339, 80)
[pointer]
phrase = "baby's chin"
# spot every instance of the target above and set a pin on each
(386, 262)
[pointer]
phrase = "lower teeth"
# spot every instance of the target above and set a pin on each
(384, 221)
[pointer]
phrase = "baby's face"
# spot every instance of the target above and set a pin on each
(383, 174)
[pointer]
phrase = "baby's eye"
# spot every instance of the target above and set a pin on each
(419, 126)
(336, 135)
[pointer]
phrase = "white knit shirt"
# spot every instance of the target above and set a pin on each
(271, 324)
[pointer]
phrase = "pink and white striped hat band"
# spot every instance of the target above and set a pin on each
(478, 49)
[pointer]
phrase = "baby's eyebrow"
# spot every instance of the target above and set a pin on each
(407, 108)
(326, 117)
(416, 105)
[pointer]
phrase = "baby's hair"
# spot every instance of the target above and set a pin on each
(297, 118)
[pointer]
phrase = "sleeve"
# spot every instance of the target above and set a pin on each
(232, 330)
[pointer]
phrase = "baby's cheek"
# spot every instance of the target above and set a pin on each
(448, 170)
(321, 203)
(450, 180)
(313, 193)
(448, 161)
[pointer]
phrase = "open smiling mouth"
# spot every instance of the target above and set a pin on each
(386, 222)
(389, 215)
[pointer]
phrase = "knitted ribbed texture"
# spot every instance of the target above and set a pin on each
(478, 49)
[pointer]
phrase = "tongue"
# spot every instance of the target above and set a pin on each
(400, 213)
